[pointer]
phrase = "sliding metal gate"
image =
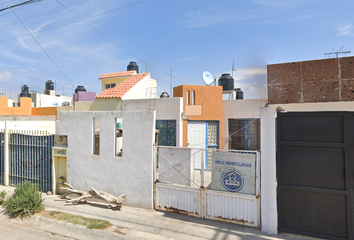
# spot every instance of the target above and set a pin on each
(31, 158)
(315, 174)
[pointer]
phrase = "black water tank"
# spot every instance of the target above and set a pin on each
(227, 82)
(49, 85)
(239, 93)
(133, 66)
(164, 95)
(80, 89)
(25, 91)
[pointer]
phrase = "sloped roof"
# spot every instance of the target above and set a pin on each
(117, 74)
(120, 90)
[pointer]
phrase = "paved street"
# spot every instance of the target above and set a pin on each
(128, 224)
(10, 230)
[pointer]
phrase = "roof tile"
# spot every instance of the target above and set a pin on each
(120, 90)
(117, 74)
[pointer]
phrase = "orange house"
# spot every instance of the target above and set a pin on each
(203, 115)
(25, 108)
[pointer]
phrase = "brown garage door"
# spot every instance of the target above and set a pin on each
(314, 174)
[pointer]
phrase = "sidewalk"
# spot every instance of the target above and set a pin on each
(132, 223)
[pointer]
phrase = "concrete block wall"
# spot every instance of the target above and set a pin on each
(131, 174)
(324, 80)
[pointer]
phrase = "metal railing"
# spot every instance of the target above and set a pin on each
(2, 156)
(30, 154)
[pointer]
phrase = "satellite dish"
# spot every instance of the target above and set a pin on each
(208, 78)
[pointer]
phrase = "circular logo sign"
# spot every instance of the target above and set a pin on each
(232, 180)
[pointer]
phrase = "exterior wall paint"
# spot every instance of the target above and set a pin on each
(138, 90)
(24, 109)
(210, 97)
(44, 100)
(44, 111)
(106, 104)
(60, 109)
(131, 174)
(35, 125)
(117, 81)
(240, 109)
(84, 96)
(166, 109)
(325, 80)
(268, 149)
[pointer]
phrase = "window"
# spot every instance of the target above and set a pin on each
(153, 92)
(193, 97)
(245, 134)
(213, 133)
(119, 137)
(96, 136)
(187, 98)
(167, 132)
(111, 85)
(213, 141)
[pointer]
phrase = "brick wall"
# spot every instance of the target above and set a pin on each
(325, 80)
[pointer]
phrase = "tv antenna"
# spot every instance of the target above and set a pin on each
(208, 78)
(336, 53)
(233, 68)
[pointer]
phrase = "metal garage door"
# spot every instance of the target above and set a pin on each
(314, 173)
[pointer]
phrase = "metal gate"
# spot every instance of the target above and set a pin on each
(315, 174)
(226, 189)
(2, 156)
(31, 158)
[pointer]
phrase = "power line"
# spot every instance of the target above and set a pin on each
(41, 14)
(66, 24)
(114, 41)
(42, 48)
(20, 4)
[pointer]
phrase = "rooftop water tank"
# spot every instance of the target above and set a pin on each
(133, 66)
(80, 89)
(239, 93)
(227, 82)
(164, 95)
(25, 91)
(49, 85)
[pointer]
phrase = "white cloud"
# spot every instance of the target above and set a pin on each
(246, 73)
(199, 19)
(345, 30)
(6, 75)
(280, 3)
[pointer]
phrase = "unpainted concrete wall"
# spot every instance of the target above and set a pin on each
(240, 109)
(131, 174)
(325, 80)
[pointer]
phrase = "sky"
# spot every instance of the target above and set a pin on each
(73, 42)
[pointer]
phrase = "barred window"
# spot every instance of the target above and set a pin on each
(167, 132)
(245, 134)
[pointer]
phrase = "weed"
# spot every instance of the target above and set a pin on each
(2, 197)
(78, 220)
(26, 200)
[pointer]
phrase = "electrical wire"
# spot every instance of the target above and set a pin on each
(42, 47)
(115, 41)
(20, 4)
(56, 9)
